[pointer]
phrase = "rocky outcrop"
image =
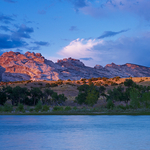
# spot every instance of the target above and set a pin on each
(15, 66)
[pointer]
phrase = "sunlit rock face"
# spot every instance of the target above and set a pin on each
(15, 66)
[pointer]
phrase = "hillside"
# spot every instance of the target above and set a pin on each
(15, 66)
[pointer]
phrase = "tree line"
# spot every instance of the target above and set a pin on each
(25, 96)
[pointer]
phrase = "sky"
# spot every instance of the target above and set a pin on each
(97, 32)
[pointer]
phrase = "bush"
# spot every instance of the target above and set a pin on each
(38, 106)
(20, 108)
(121, 107)
(110, 104)
(53, 85)
(75, 108)
(67, 108)
(104, 78)
(45, 108)
(78, 82)
(7, 108)
(31, 109)
(47, 85)
(58, 108)
(1, 108)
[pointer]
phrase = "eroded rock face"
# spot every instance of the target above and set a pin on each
(15, 66)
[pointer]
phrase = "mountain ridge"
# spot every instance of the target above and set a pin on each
(15, 66)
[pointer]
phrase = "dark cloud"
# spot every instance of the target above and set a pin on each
(73, 28)
(107, 8)
(7, 41)
(87, 59)
(6, 19)
(41, 43)
(10, 1)
(111, 33)
(5, 28)
(23, 32)
(14, 40)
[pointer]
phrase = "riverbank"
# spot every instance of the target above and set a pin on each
(109, 112)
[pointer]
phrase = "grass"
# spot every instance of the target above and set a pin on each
(84, 111)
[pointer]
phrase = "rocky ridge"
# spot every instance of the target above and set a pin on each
(15, 66)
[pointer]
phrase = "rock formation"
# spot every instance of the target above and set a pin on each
(15, 66)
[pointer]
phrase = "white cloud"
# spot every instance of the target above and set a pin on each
(123, 50)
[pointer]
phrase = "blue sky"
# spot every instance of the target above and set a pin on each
(94, 31)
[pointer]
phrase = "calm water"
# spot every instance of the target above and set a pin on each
(75, 132)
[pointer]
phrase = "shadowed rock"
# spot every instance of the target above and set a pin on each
(15, 66)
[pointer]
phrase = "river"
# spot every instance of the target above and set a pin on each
(74, 132)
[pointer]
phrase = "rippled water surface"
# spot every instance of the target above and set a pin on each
(74, 132)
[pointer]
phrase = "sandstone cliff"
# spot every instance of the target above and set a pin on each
(15, 66)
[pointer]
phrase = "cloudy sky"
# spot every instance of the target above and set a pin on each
(94, 31)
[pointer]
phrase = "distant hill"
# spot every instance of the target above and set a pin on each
(15, 66)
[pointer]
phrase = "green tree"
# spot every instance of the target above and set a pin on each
(46, 94)
(129, 82)
(2, 98)
(80, 99)
(110, 104)
(36, 94)
(146, 99)
(92, 97)
(135, 99)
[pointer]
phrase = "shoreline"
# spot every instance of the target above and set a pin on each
(78, 113)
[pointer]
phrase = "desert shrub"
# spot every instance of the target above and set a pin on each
(40, 83)
(68, 80)
(113, 84)
(141, 80)
(83, 79)
(47, 85)
(7, 108)
(78, 82)
(58, 108)
(67, 108)
(94, 79)
(104, 78)
(98, 83)
(53, 85)
(90, 82)
(45, 108)
(117, 78)
(110, 104)
(59, 82)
